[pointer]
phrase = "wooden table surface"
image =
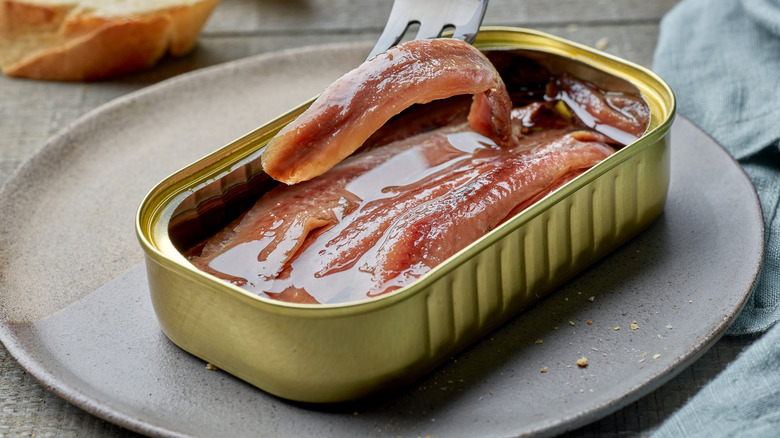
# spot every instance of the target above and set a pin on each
(32, 111)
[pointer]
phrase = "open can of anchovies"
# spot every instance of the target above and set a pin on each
(337, 352)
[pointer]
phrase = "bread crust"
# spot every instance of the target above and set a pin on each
(69, 43)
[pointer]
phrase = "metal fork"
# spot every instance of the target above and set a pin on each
(433, 16)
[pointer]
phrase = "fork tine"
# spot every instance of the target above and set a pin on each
(429, 29)
(394, 30)
(431, 15)
(467, 31)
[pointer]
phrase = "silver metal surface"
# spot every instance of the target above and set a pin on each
(434, 17)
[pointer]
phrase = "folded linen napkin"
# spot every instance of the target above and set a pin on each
(722, 58)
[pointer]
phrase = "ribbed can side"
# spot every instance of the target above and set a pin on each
(562, 240)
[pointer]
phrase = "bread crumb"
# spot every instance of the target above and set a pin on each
(211, 367)
(571, 322)
(633, 325)
(544, 369)
(669, 326)
(617, 328)
(538, 341)
(582, 362)
(656, 356)
(589, 322)
(591, 298)
(602, 43)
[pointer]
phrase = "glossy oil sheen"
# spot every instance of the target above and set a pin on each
(332, 353)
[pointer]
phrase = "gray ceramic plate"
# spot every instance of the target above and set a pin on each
(75, 310)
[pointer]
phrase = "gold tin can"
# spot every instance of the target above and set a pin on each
(340, 352)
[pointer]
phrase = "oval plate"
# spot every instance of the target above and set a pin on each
(75, 310)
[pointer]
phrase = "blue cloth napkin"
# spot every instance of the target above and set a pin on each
(722, 59)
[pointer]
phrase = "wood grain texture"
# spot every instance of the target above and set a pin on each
(31, 112)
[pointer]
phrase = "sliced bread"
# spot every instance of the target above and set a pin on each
(81, 40)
